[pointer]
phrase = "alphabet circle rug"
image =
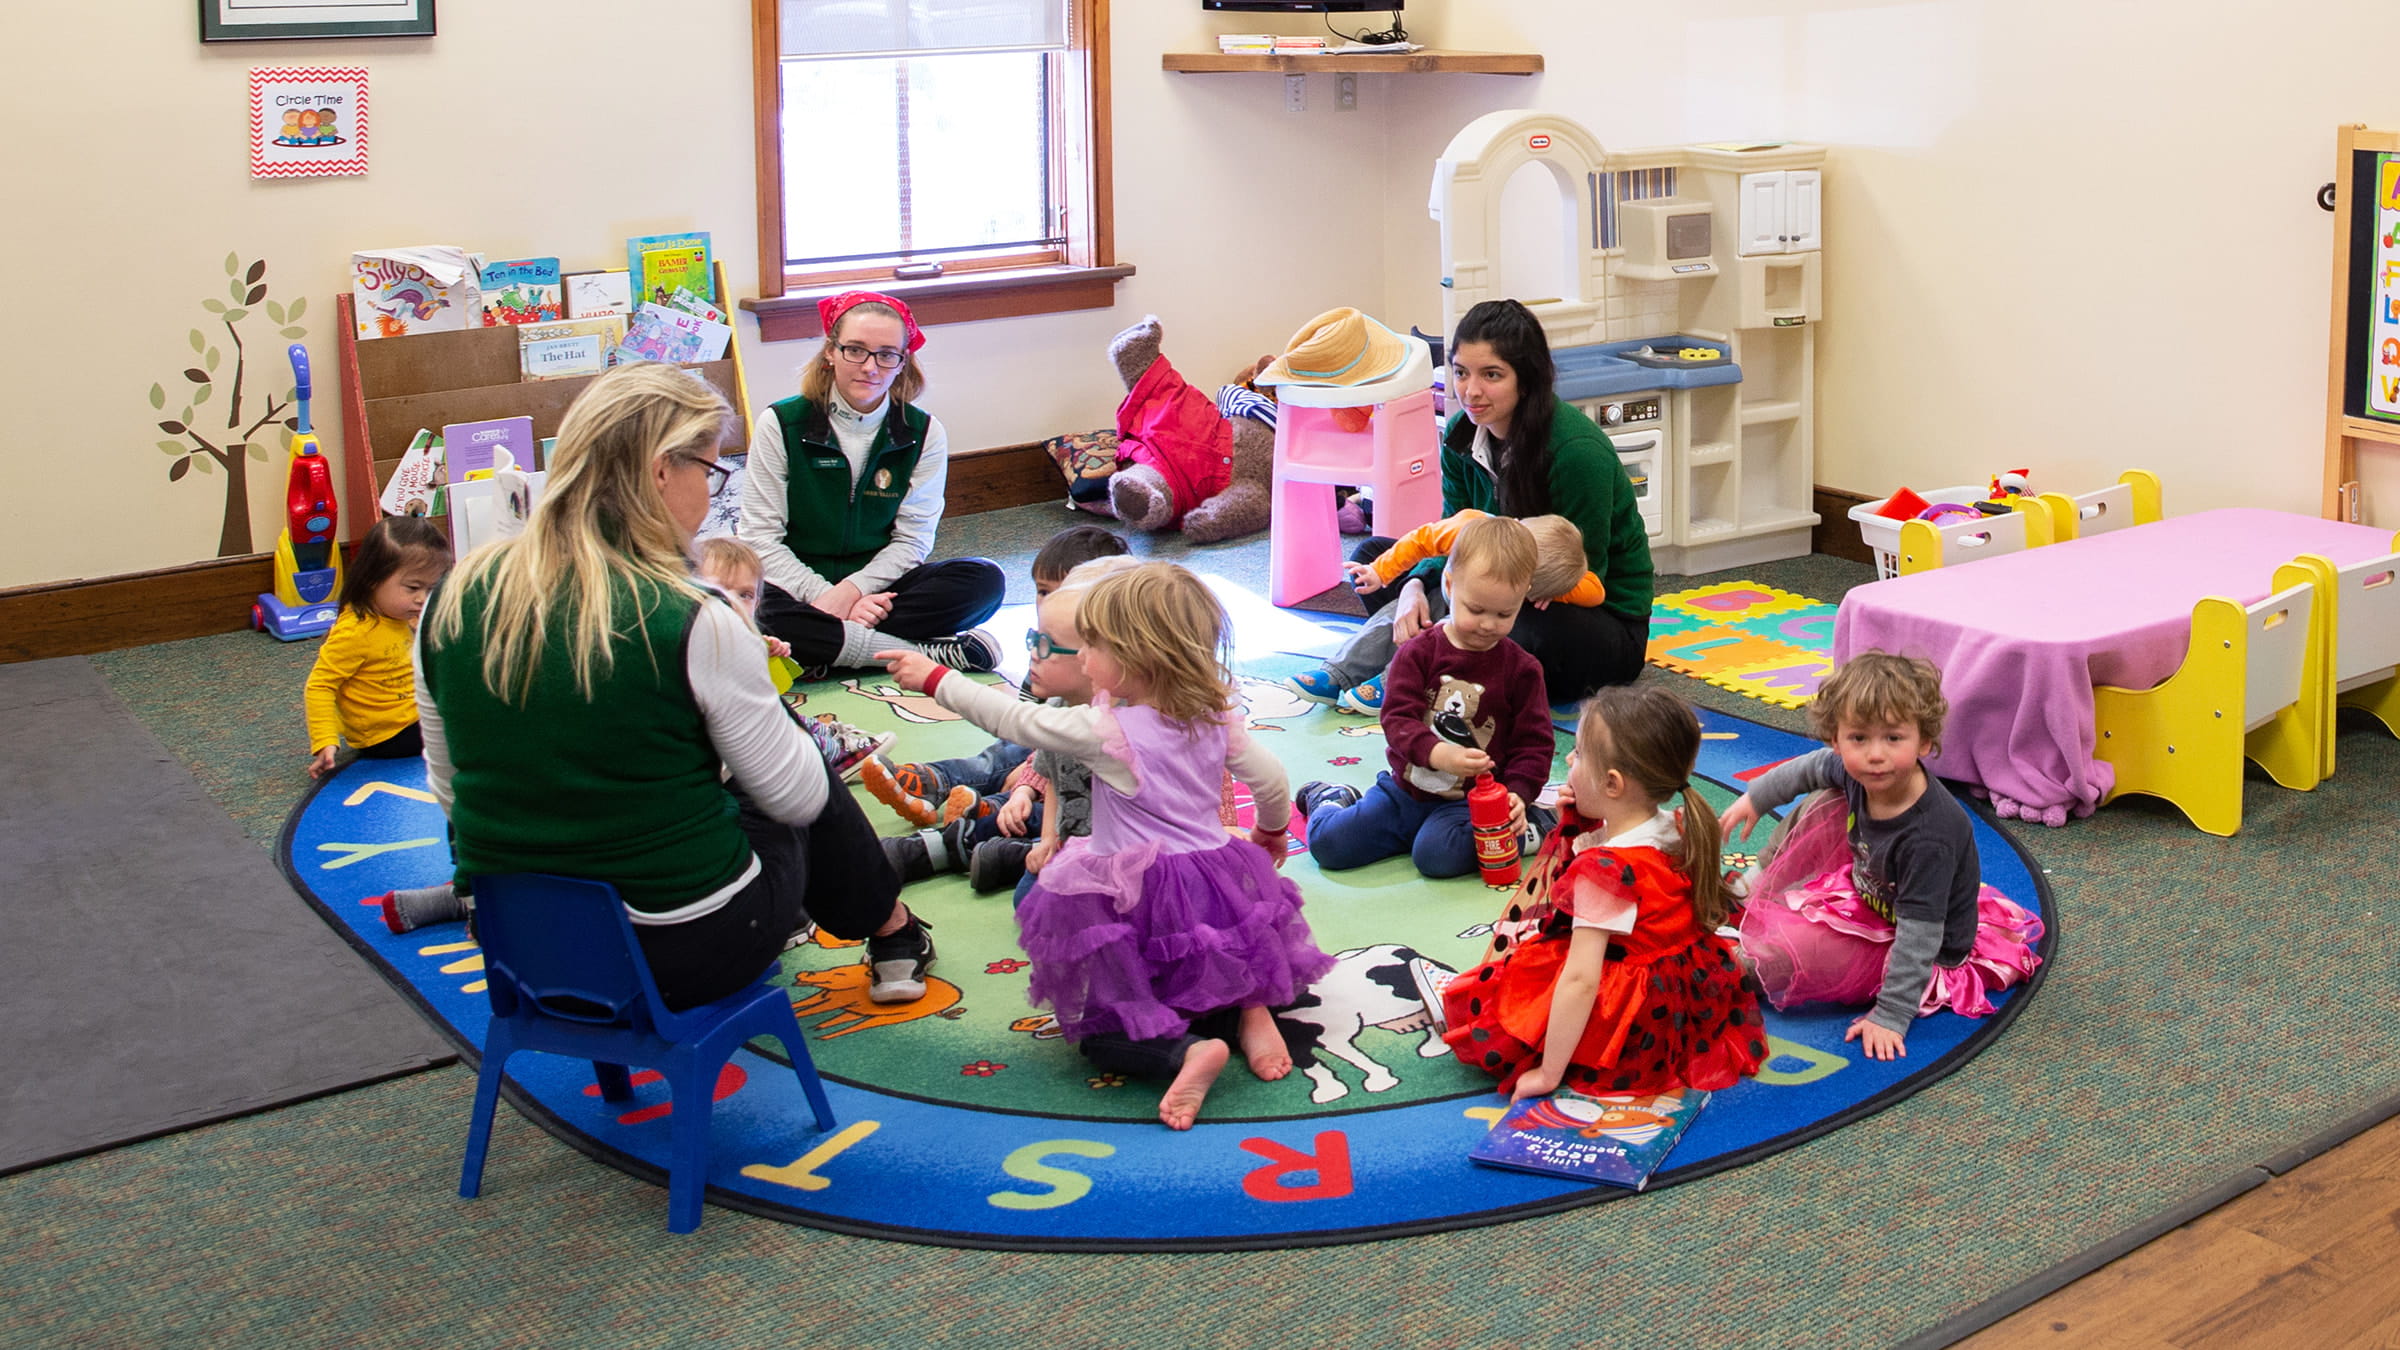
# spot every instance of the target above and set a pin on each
(962, 1118)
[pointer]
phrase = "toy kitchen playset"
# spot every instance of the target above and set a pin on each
(1692, 282)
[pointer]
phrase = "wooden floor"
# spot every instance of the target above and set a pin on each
(2308, 1261)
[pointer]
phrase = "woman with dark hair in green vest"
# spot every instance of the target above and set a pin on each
(588, 711)
(842, 497)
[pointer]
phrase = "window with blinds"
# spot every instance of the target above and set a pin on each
(919, 131)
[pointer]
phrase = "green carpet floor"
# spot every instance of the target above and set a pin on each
(2213, 1002)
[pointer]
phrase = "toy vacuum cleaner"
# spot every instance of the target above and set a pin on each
(308, 564)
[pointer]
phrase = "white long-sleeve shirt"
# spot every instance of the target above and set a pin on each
(1078, 731)
(766, 506)
(762, 749)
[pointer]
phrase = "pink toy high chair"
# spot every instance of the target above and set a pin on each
(1397, 457)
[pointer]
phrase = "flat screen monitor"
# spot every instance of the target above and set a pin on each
(1304, 6)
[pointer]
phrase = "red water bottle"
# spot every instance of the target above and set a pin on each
(1495, 840)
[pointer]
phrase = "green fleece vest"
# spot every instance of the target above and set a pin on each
(832, 523)
(623, 788)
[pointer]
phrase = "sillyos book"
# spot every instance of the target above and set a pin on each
(1617, 1141)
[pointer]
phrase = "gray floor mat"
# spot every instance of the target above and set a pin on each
(157, 972)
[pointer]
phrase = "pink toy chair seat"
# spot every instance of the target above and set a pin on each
(1397, 458)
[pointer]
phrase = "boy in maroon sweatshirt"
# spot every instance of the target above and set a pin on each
(1461, 700)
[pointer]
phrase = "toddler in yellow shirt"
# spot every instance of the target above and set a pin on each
(364, 689)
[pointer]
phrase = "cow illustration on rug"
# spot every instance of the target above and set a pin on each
(1368, 987)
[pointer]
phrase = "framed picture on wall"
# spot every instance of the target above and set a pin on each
(251, 20)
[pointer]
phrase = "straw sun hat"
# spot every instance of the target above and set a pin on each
(1339, 346)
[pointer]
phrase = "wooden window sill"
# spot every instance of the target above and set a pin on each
(963, 298)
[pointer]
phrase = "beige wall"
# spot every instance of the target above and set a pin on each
(127, 228)
(2068, 236)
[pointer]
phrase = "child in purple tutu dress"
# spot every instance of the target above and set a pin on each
(1160, 938)
(1872, 891)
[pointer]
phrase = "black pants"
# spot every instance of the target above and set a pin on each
(406, 743)
(929, 601)
(832, 871)
(1580, 649)
(1161, 1058)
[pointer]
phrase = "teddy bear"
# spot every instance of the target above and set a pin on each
(1181, 461)
(1452, 717)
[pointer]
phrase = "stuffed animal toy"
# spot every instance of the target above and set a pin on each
(1181, 460)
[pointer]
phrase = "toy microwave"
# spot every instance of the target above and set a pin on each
(1665, 239)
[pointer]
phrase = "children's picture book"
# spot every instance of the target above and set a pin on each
(415, 485)
(1616, 1141)
(637, 249)
(689, 303)
(521, 290)
(725, 509)
(471, 448)
(427, 289)
(662, 334)
(609, 329)
(562, 358)
(666, 271)
(590, 294)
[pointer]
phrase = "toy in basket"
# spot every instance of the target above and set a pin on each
(1879, 522)
(308, 563)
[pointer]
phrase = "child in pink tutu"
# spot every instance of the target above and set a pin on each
(1872, 891)
(1159, 938)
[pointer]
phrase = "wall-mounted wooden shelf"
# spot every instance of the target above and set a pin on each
(1359, 63)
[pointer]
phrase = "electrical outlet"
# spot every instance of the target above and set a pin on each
(1295, 93)
(1345, 93)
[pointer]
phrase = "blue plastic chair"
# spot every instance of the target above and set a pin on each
(567, 977)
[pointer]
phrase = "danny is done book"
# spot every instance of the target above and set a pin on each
(1617, 1141)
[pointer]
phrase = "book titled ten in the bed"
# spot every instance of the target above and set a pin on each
(1616, 1141)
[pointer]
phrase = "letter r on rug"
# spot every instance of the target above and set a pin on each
(1065, 1187)
(1331, 1163)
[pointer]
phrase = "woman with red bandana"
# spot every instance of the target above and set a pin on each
(843, 495)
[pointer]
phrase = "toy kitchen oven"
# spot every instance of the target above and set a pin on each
(1637, 426)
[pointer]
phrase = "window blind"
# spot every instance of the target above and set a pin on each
(854, 28)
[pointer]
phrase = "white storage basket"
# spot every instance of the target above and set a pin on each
(1882, 534)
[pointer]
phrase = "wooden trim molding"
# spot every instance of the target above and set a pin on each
(1001, 477)
(960, 299)
(102, 614)
(1836, 534)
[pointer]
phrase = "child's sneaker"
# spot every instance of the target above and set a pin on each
(847, 748)
(896, 964)
(965, 803)
(975, 651)
(1430, 980)
(997, 864)
(911, 860)
(1317, 686)
(904, 788)
(1315, 795)
(1364, 698)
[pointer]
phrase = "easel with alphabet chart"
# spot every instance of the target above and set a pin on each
(2362, 395)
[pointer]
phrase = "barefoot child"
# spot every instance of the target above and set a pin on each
(1055, 800)
(1160, 936)
(1617, 980)
(1463, 700)
(733, 567)
(934, 794)
(1873, 890)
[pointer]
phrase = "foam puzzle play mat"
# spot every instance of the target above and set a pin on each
(962, 1118)
(1752, 639)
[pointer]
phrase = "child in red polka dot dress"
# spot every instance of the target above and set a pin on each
(1611, 977)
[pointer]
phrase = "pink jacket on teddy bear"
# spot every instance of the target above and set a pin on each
(1174, 428)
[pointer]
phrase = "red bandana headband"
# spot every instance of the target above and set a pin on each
(831, 309)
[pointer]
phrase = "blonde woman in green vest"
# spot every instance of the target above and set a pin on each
(589, 711)
(841, 499)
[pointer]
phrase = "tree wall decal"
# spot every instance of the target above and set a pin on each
(234, 449)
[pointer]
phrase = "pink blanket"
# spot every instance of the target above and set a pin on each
(2022, 639)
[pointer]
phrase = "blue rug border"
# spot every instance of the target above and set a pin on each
(557, 1127)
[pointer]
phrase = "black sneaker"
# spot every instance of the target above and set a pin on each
(974, 651)
(908, 856)
(896, 964)
(997, 864)
(1313, 795)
